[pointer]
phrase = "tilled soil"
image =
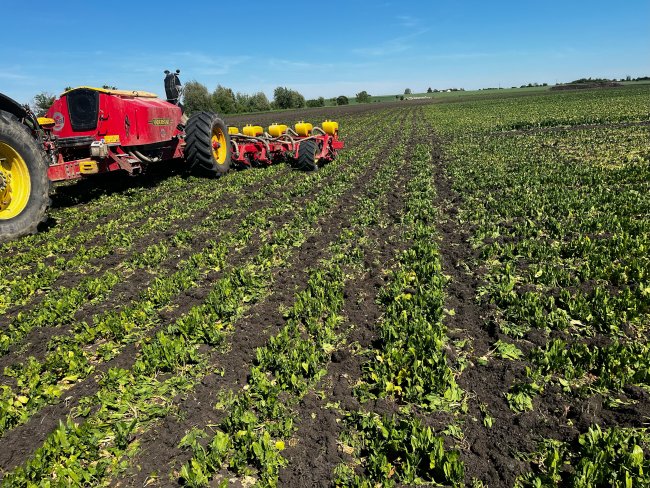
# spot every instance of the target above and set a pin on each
(491, 455)
(160, 445)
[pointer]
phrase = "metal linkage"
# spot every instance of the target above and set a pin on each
(262, 147)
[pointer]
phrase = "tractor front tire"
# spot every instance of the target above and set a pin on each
(307, 160)
(207, 144)
(24, 185)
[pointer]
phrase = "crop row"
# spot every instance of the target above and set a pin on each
(60, 306)
(261, 418)
(118, 210)
(168, 350)
(624, 105)
(70, 358)
(170, 195)
(408, 362)
(559, 222)
(70, 255)
(163, 221)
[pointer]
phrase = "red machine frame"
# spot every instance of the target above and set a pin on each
(266, 149)
(95, 130)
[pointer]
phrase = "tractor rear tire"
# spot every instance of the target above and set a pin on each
(307, 160)
(24, 185)
(207, 144)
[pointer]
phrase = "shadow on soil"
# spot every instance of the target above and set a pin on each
(93, 187)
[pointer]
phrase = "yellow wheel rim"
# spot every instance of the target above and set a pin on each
(15, 184)
(219, 147)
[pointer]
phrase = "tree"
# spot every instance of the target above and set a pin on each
(363, 97)
(224, 101)
(342, 100)
(196, 98)
(282, 97)
(297, 100)
(407, 91)
(316, 102)
(259, 102)
(109, 87)
(41, 103)
(429, 90)
(243, 103)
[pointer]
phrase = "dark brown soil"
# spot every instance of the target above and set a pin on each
(25, 437)
(126, 290)
(491, 455)
(160, 445)
(586, 86)
(314, 452)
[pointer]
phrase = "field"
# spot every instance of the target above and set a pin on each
(461, 298)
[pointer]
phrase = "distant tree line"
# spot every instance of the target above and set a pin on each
(607, 80)
(317, 102)
(531, 85)
(197, 98)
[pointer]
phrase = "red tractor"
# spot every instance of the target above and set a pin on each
(93, 130)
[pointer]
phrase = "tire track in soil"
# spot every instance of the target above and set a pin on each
(488, 452)
(159, 447)
(25, 438)
(314, 456)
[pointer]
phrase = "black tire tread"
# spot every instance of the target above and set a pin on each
(20, 137)
(198, 144)
(306, 153)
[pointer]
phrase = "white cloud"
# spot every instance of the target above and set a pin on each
(391, 46)
(287, 63)
(7, 75)
(203, 64)
(407, 21)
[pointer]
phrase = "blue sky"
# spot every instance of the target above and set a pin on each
(323, 48)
